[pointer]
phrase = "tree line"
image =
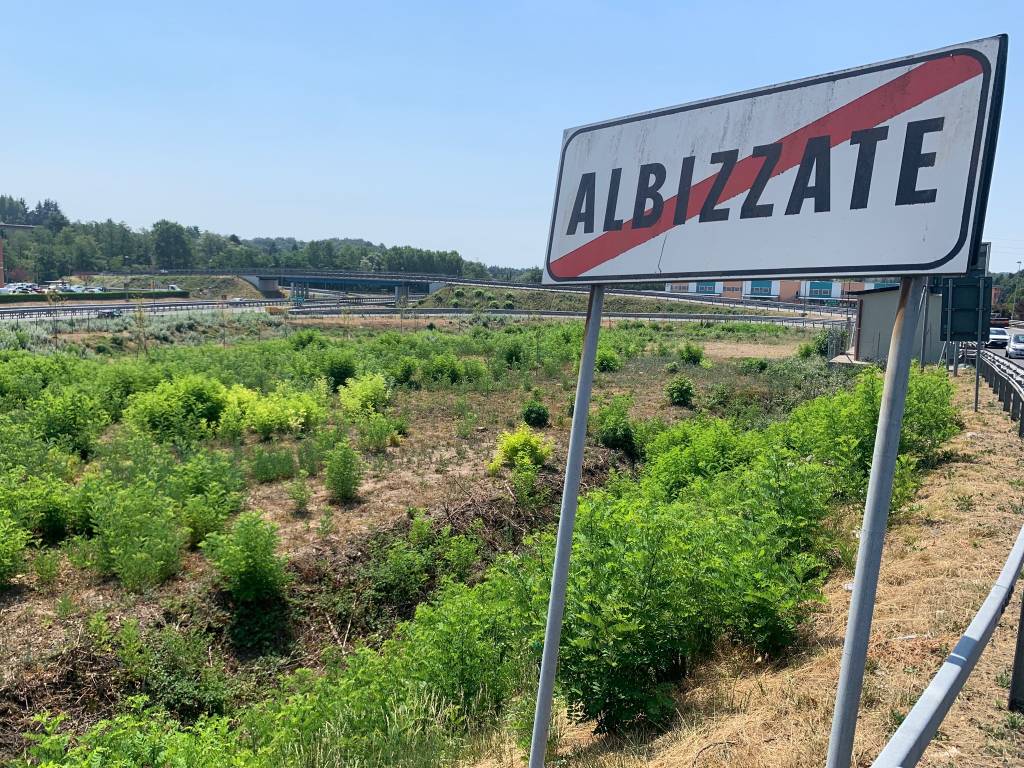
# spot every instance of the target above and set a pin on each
(59, 247)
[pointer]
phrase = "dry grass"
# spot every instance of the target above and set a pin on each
(942, 555)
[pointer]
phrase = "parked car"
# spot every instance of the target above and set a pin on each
(1016, 346)
(109, 313)
(997, 337)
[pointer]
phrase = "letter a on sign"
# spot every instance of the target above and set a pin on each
(877, 170)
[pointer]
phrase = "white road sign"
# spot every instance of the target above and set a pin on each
(878, 170)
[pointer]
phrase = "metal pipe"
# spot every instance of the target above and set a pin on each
(920, 725)
(876, 516)
(977, 352)
(925, 299)
(566, 522)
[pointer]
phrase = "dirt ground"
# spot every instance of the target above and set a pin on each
(943, 553)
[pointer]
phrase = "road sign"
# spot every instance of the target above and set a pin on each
(878, 170)
(960, 310)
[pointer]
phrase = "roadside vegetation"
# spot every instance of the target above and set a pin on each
(333, 547)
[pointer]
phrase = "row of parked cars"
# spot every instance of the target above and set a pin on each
(27, 288)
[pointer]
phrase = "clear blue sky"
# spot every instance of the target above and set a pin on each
(430, 124)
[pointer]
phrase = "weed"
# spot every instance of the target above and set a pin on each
(344, 472)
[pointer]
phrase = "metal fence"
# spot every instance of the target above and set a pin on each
(919, 727)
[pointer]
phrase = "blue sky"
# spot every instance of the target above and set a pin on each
(430, 124)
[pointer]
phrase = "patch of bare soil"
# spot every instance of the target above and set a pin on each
(943, 554)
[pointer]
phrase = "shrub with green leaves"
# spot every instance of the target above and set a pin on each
(523, 442)
(691, 354)
(269, 465)
(139, 535)
(535, 414)
(365, 394)
(377, 432)
(42, 504)
(181, 410)
(246, 559)
(69, 418)
(607, 360)
(344, 472)
(613, 428)
(680, 391)
(338, 366)
(13, 540)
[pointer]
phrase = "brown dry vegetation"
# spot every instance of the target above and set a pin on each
(943, 553)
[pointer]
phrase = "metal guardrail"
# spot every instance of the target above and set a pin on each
(919, 727)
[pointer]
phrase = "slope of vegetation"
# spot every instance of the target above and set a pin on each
(422, 637)
(546, 300)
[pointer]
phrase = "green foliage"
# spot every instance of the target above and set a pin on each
(176, 669)
(613, 428)
(270, 465)
(680, 391)
(69, 418)
(344, 472)
(13, 540)
(523, 443)
(691, 354)
(535, 414)
(139, 535)
(524, 482)
(407, 372)
(179, 411)
(365, 394)
(246, 559)
(299, 493)
(46, 566)
(338, 365)
(42, 504)
(377, 432)
(607, 360)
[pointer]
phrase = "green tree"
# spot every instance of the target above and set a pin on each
(171, 246)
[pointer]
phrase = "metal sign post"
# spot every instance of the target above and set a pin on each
(925, 299)
(977, 351)
(566, 523)
(872, 534)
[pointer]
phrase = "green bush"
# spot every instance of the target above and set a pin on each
(269, 465)
(365, 394)
(299, 493)
(680, 391)
(344, 472)
(246, 560)
(42, 504)
(535, 414)
(406, 372)
(613, 428)
(377, 432)
(607, 360)
(176, 669)
(444, 369)
(523, 442)
(13, 540)
(182, 410)
(338, 365)
(691, 354)
(139, 535)
(69, 418)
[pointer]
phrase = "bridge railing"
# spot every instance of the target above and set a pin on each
(919, 727)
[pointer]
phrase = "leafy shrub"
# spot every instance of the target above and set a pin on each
(272, 464)
(245, 559)
(175, 668)
(535, 414)
(42, 504)
(607, 360)
(514, 352)
(524, 482)
(139, 535)
(680, 391)
(46, 566)
(691, 354)
(13, 540)
(444, 369)
(523, 442)
(70, 418)
(344, 472)
(806, 351)
(613, 427)
(377, 432)
(366, 393)
(284, 411)
(338, 365)
(182, 410)
(299, 493)
(751, 365)
(406, 372)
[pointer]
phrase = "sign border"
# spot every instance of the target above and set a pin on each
(984, 154)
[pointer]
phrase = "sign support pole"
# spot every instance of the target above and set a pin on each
(876, 516)
(925, 298)
(979, 346)
(566, 522)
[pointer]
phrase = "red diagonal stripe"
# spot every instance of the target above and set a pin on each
(873, 108)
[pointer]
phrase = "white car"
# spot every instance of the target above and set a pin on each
(997, 337)
(1015, 347)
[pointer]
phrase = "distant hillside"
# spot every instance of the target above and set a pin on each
(61, 247)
